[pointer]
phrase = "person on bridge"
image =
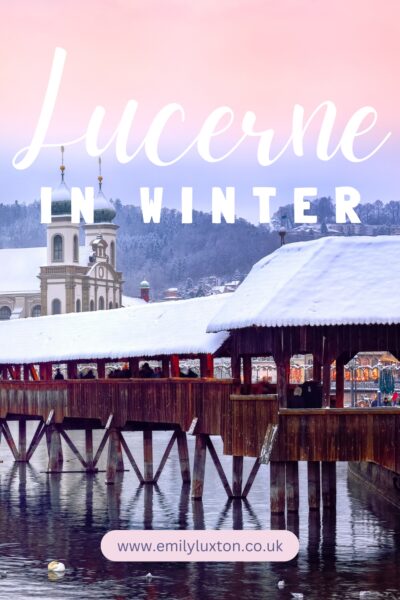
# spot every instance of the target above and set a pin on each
(58, 374)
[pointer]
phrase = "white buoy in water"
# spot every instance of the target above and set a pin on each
(281, 584)
(149, 576)
(56, 566)
(297, 595)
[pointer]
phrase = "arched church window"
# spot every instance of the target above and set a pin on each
(36, 311)
(5, 313)
(78, 305)
(56, 307)
(110, 305)
(91, 305)
(76, 249)
(57, 248)
(112, 254)
(101, 303)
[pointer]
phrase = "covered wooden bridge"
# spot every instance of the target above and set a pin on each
(304, 298)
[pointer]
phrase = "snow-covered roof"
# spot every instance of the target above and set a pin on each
(20, 267)
(329, 281)
(131, 301)
(177, 327)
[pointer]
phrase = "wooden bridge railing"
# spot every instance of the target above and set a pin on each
(167, 401)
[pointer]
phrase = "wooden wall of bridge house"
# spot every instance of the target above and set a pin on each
(335, 340)
(246, 423)
(315, 434)
(169, 401)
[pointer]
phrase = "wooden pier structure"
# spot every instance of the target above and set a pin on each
(260, 426)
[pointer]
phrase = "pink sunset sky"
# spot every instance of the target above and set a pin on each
(263, 56)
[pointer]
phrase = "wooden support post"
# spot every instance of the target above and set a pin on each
(4, 372)
(314, 485)
(9, 439)
(72, 370)
(165, 367)
(292, 486)
(218, 466)
(282, 379)
(165, 456)
(251, 478)
(237, 476)
(45, 370)
(101, 369)
(328, 476)
(112, 458)
(148, 456)
(206, 365)
(317, 365)
(340, 362)
(199, 466)
(56, 458)
(36, 439)
(183, 454)
(134, 367)
(175, 369)
(90, 468)
(235, 367)
(22, 440)
(130, 457)
(17, 371)
(120, 463)
(247, 370)
(326, 381)
(34, 373)
(72, 447)
(277, 487)
(27, 372)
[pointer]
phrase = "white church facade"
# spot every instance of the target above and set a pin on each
(64, 276)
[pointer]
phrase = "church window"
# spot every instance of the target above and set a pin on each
(5, 313)
(78, 305)
(36, 310)
(76, 249)
(112, 254)
(110, 305)
(101, 303)
(57, 248)
(56, 307)
(91, 306)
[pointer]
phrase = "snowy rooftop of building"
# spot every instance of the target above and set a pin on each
(177, 327)
(20, 267)
(329, 281)
(132, 301)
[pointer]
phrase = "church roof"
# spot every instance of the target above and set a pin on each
(20, 267)
(164, 328)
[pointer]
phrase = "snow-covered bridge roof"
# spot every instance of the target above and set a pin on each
(330, 281)
(144, 330)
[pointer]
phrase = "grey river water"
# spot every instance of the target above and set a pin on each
(64, 517)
